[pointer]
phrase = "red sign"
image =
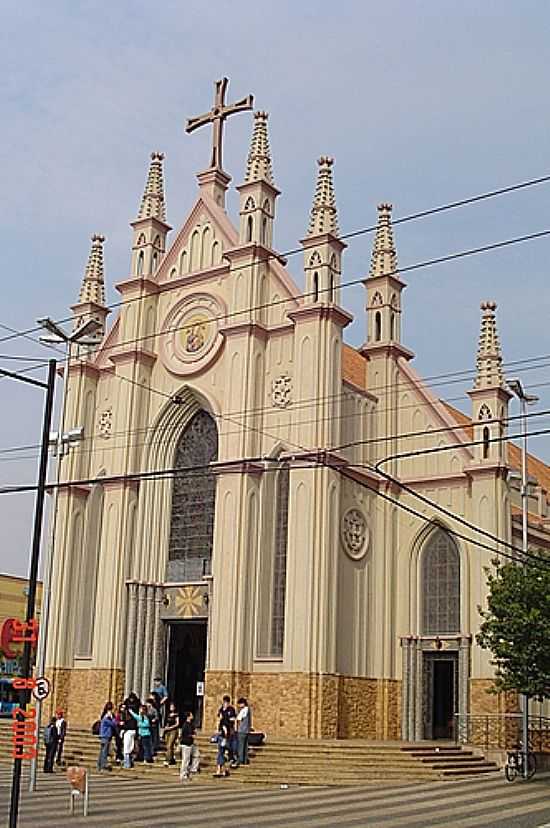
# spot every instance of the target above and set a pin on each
(17, 632)
(24, 733)
(6, 637)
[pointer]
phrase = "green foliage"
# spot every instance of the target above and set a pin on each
(516, 626)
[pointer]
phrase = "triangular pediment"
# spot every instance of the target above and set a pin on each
(434, 411)
(200, 244)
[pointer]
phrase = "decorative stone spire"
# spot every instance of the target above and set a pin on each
(152, 203)
(91, 300)
(93, 283)
(324, 218)
(258, 167)
(489, 355)
(384, 257)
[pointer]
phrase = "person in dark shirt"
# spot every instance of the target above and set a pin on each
(171, 733)
(189, 750)
(227, 716)
(51, 739)
(132, 702)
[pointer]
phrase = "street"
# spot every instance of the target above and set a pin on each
(142, 803)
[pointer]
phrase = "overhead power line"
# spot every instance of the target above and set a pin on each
(416, 266)
(474, 251)
(536, 559)
(202, 470)
(452, 205)
(168, 438)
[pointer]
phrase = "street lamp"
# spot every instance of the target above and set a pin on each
(61, 442)
(516, 387)
(26, 667)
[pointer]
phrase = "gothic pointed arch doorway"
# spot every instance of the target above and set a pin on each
(436, 656)
(189, 563)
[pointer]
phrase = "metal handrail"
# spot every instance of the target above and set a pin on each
(501, 730)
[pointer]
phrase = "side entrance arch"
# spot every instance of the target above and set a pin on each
(436, 658)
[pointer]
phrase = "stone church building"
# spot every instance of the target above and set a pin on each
(228, 528)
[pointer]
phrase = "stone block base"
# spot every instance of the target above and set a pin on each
(312, 706)
(484, 700)
(487, 723)
(81, 694)
(369, 708)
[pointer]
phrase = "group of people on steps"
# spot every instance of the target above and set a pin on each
(135, 728)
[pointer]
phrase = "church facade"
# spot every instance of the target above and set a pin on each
(259, 509)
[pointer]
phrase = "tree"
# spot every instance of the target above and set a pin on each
(516, 626)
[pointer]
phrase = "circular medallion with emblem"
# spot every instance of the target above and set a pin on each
(355, 534)
(191, 335)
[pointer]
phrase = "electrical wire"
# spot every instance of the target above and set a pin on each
(168, 439)
(519, 555)
(474, 251)
(452, 205)
(353, 234)
(203, 470)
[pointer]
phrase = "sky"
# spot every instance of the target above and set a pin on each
(420, 103)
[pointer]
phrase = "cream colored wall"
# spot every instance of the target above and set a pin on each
(343, 616)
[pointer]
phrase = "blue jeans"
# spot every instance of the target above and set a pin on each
(220, 759)
(103, 754)
(147, 744)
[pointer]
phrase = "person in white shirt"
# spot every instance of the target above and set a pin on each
(244, 726)
(61, 725)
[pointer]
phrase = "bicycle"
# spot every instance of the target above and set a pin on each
(515, 764)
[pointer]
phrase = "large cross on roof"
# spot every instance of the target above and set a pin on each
(217, 115)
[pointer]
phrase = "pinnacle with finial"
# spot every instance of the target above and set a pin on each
(93, 283)
(152, 203)
(324, 217)
(489, 356)
(384, 257)
(258, 166)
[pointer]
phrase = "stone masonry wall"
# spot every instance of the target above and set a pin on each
(369, 708)
(302, 705)
(81, 694)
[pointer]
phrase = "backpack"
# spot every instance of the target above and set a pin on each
(48, 734)
(95, 728)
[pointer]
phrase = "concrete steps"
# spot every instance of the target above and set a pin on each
(300, 761)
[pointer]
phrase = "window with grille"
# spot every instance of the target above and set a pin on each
(193, 501)
(440, 585)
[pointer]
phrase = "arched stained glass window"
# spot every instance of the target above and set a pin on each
(440, 585)
(193, 502)
(279, 562)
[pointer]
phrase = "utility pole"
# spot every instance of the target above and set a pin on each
(84, 335)
(24, 696)
(525, 400)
